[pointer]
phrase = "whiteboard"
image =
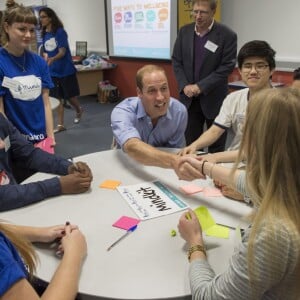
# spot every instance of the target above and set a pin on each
(274, 21)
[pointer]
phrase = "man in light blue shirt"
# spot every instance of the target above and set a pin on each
(153, 119)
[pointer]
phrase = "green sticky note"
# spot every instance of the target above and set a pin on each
(204, 217)
(218, 231)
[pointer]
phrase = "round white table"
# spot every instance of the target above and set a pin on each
(149, 263)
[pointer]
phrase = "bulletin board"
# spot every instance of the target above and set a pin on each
(184, 12)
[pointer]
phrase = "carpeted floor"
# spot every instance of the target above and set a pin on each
(92, 134)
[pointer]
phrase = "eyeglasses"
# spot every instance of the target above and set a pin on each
(200, 12)
(259, 67)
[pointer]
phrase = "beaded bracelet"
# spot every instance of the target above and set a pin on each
(194, 249)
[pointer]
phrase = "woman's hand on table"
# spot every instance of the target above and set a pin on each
(51, 233)
(190, 228)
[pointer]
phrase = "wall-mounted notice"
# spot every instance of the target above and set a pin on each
(141, 28)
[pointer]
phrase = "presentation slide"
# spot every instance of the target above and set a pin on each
(141, 28)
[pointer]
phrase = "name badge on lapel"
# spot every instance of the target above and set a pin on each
(4, 146)
(211, 46)
(7, 143)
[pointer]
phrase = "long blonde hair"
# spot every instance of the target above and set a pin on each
(271, 146)
(23, 246)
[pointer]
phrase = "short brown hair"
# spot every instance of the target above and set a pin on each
(145, 70)
(212, 3)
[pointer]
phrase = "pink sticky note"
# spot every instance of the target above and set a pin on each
(126, 222)
(46, 145)
(212, 192)
(191, 189)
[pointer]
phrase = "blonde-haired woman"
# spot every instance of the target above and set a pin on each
(266, 265)
(17, 261)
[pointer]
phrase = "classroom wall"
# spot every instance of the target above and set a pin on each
(83, 20)
(274, 21)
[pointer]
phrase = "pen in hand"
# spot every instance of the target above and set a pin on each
(130, 230)
(74, 164)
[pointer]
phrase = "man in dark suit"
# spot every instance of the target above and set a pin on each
(204, 55)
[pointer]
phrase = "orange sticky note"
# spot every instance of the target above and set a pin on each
(110, 184)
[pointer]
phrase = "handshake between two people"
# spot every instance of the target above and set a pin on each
(190, 167)
(78, 180)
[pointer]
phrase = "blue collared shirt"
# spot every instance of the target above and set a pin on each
(129, 120)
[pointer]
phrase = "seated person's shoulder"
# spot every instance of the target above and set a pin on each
(128, 108)
(175, 104)
(131, 102)
(236, 95)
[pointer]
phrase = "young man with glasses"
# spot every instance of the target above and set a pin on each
(256, 63)
(204, 55)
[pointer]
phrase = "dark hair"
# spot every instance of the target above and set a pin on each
(147, 69)
(257, 48)
(56, 23)
(297, 74)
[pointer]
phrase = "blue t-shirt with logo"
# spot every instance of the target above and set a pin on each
(12, 268)
(21, 82)
(52, 42)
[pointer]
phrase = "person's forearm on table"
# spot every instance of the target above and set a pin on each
(149, 155)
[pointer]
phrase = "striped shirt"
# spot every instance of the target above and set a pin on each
(274, 262)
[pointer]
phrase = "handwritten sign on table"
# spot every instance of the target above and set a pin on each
(151, 199)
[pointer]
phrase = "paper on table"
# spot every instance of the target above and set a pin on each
(110, 184)
(126, 222)
(204, 217)
(218, 231)
(151, 199)
(191, 189)
(212, 192)
(209, 225)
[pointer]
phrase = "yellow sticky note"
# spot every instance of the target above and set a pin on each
(218, 231)
(110, 184)
(204, 217)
